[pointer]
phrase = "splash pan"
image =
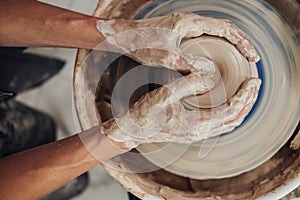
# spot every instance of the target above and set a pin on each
(276, 113)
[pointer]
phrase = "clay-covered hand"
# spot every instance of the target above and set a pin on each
(156, 41)
(159, 115)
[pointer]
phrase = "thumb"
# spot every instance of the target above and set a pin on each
(192, 84)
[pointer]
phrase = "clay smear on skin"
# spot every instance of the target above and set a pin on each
(247, 186)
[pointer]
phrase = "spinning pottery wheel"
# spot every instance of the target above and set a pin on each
(254, 160)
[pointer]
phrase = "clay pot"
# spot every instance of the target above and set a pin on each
(275, 178)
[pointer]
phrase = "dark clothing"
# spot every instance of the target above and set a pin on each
(22, 127)
(132, 197)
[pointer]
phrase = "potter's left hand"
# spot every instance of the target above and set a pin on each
(156, 41)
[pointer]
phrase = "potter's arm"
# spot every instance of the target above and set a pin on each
(32, 23)
(34, 173)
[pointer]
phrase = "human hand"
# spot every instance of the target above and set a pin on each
(156, 41)
(159, 115)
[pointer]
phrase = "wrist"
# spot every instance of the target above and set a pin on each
(99, 145)
(111, 30)
(120, 145)
(82, 32)
(121, 137)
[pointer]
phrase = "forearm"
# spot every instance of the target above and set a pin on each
(34, 173)
(32, 23)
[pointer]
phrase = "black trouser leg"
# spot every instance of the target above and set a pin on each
(22, 127)
(19, 71)
(132, 197)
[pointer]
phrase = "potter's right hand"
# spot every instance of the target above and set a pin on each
(159, 115)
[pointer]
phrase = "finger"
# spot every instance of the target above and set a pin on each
(237, 108)
(160, 57)
(194, 25)
(240, 105)
(243, 43)
(172, 60)
(173, 92)
(192, 84)
(200, 65)
(228, 30)
(206, 123)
